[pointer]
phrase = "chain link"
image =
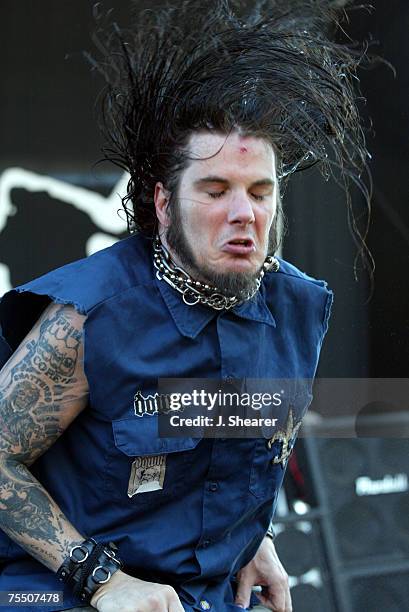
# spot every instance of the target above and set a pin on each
(193, 291)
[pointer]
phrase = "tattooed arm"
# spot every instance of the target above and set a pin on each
(42, 389)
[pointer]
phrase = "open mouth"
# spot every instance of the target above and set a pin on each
(239, 246)
(245, 242)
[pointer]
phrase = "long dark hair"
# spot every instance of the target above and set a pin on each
(273, 71)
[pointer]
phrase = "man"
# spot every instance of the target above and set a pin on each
(207, 129)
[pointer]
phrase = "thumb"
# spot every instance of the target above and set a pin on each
(243, 593)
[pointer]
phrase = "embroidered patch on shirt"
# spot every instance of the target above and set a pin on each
(287, 439)
(147, 474)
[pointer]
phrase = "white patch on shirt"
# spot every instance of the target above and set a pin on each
(147, 474)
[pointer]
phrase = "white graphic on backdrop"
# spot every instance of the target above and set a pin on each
(101, 210)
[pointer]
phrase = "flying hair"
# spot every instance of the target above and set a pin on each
(272, 71)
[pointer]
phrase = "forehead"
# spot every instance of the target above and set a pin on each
(231, 154)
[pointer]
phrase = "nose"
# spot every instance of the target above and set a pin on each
(241, 210)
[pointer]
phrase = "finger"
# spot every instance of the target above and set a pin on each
(176, 606)
(266, 601)
(278, 602)
(174, 603)
(273, 599)
(288, 602)
(243, 593)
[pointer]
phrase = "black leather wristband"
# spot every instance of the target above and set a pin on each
(88, 566)
(105, 564)
(78, 555)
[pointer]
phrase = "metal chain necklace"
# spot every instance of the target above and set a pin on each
(194, 291)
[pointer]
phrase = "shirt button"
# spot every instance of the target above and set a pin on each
(213, 486)
(228, 379)
(206, 543)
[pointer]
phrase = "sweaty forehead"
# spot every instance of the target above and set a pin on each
(209, 148)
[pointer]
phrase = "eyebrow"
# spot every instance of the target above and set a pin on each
(219, 179)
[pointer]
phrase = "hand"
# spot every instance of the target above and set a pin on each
(123, 593)
(265, 570)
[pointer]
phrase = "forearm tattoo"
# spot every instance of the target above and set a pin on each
(30, 517)
(36, 393)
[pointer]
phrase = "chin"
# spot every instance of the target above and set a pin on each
(230, 279)
(241, 266)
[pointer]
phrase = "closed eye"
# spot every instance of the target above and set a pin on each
(215, 195)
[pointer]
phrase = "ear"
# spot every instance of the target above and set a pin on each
(161, 198)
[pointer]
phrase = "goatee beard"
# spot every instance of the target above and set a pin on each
(231, 284)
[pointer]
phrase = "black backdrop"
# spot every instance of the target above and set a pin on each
(373, 339)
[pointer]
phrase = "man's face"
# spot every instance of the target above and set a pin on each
(221, 217)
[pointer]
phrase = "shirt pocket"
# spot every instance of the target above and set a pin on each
(272, 452)
(265, 475)
(143, 469)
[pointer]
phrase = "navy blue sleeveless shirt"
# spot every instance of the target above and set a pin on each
(218, 495)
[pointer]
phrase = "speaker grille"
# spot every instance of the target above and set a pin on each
(364, 484)
(381, 593)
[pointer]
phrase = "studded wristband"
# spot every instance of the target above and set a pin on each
(88, 566)
(78, 555)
